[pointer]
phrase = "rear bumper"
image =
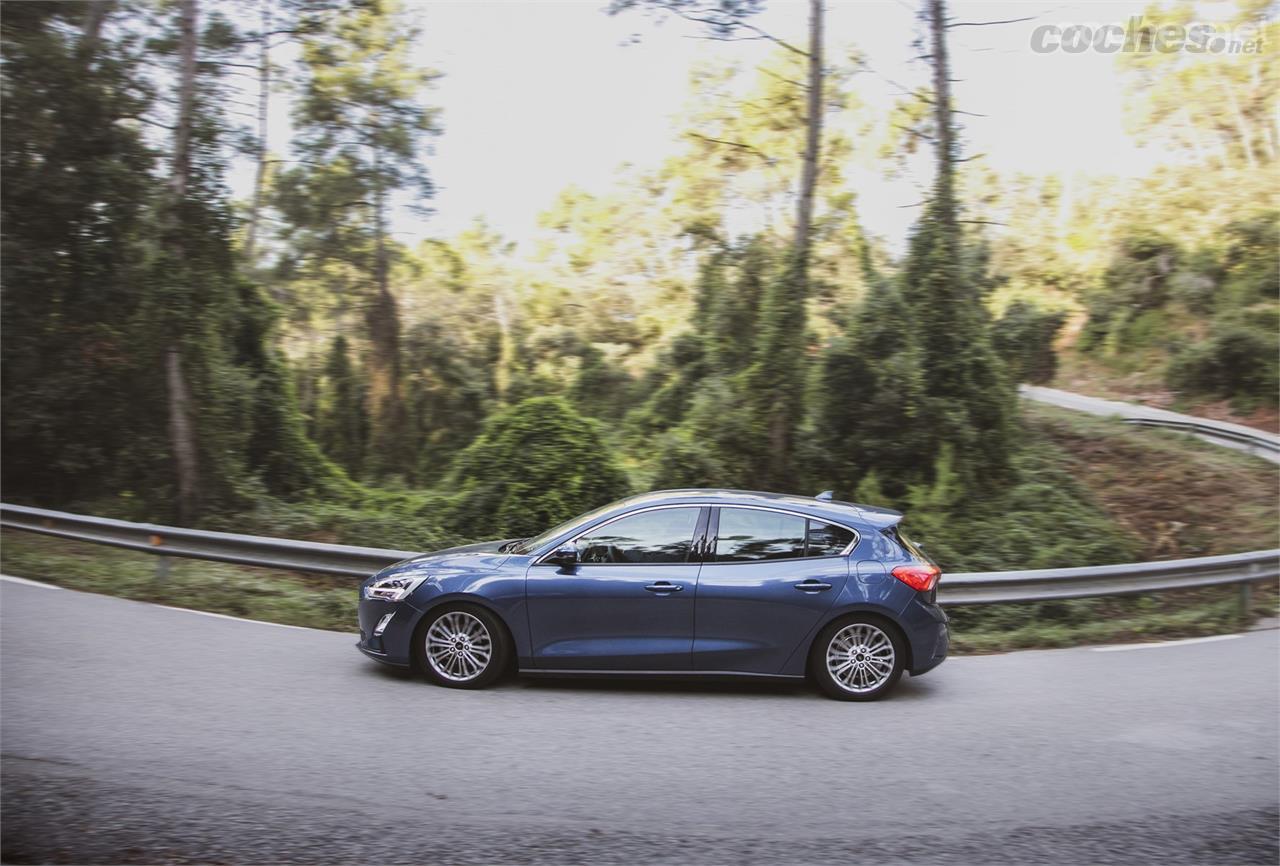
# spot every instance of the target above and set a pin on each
(930, 636)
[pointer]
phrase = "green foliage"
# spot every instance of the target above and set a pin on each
(1024, 337)
(1137, 280)
(394, 519)
(1042, 518)
(533, 465)
(870, 416)
(360, 128)
(76, 189)
(1239, 360)
(342, 428)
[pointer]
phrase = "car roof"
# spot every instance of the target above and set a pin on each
(835, 510)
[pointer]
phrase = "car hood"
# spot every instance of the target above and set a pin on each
(483, 555)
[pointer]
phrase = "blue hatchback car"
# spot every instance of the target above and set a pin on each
(677, 582)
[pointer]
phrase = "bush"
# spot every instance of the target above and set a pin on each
(534, 465)
(1043, 519)
(1238, 361)
(1024, 337)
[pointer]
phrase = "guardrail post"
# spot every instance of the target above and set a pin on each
(163, 564)
(1246, 600)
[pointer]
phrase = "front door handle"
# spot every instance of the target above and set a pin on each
(663, 586)
(812, 585)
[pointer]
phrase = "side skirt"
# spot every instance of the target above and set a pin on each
(552, 674)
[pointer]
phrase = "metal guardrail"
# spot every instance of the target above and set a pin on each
(1259, 441)
(200, 544)
(998, 587)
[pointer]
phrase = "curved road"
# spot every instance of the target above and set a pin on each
(135, 733)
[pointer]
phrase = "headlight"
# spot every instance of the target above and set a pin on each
(394, 588)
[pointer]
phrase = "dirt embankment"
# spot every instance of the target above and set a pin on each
(1177, 496)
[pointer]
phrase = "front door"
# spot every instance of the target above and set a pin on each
(769, 576)
(628, 604)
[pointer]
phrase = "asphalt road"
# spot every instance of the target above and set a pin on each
(134, 733)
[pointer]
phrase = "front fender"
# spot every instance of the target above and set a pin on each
(501, 593)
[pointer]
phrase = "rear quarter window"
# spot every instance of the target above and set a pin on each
(901, 547)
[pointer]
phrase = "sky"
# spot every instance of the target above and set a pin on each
(541, 94)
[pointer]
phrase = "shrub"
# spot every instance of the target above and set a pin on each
(1024, 338)
(1237, 361)
(534, 465)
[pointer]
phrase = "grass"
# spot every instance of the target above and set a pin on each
(1162, 616)
(254, 593)
(1178, 496)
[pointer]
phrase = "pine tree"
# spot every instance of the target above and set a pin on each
(360, 128)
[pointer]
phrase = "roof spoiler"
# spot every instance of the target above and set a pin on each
(880, 518)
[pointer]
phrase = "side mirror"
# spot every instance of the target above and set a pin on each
(565, 556)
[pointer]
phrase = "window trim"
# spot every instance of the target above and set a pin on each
(709, 554)
(694, 557)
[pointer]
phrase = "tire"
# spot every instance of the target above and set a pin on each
(450, 647)
(857, 658)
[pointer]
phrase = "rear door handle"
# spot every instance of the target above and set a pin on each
(663, 586)
(812, 585)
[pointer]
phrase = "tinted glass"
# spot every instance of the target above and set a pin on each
(747, 535)
(664, 535)
(531, 544)
(827, 540)
(910, 546)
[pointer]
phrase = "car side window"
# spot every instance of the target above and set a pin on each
(662, 535)
(748, 535)
(827, 540)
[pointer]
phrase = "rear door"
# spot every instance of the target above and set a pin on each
(767, 578)
(629, 603)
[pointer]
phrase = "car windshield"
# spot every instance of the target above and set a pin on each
(529, 545)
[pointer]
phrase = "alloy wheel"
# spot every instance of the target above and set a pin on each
(860, 658)
(459, 646)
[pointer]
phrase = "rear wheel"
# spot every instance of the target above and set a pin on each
(857, 659)
(462, 646)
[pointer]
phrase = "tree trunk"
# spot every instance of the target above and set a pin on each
(812, 141)
(264, 104)
(945, 190)
(386, 408)
(94, 16)
(182, 435)
(180, 169)
(1242, 125)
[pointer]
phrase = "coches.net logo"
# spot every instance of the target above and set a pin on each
(1138, 36)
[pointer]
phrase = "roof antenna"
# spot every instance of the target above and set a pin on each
(825, 495)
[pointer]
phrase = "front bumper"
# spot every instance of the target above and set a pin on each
(392, 647)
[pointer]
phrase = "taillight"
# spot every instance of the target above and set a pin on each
(922, 576)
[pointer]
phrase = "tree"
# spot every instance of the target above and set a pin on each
(341, 425)
(534, 465)
(1217, 105)
(360, 129)
(917, 377)
(771, 383)
(75, 193)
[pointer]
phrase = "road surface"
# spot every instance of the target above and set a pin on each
(135, 733)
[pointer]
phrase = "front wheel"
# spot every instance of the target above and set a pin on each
(857, 659)
(462, 647)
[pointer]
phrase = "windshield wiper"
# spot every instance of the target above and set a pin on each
(510, 545)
